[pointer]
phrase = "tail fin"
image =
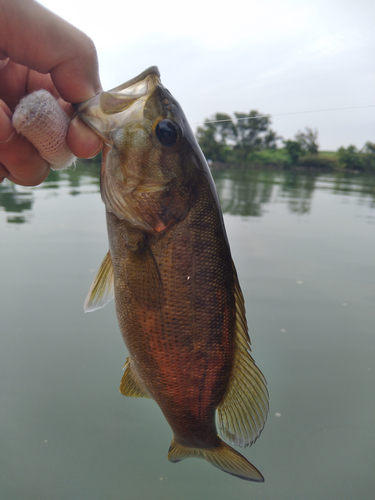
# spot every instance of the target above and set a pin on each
(223, 456)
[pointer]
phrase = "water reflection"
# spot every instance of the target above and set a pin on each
(361, 185)
(309, 292)
(244, 192)
(298, 190)
(17, 201)
(85, 173)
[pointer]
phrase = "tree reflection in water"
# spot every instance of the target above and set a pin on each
(244, 192)
(17, 201)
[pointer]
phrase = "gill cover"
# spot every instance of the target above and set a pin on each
(118, 117)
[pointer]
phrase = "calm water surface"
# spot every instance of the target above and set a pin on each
(304, 246)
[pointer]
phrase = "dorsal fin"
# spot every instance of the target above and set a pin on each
(101, 290)
(243, 410)
(130, 385)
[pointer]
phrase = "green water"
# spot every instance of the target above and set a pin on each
(304, 246)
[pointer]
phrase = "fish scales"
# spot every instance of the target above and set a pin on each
(178, 302)
(166, 334)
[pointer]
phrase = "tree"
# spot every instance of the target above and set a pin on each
(216, 135)
(368, 156)
(349, 158)
(226, 131)
(206, 138)
(270, 140)
(224, 139)
(369, 148)
(307, 140)
(294, 149)
(249, 132)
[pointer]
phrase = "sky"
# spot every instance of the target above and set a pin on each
(296, 60)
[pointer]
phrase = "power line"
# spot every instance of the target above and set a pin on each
(287, 114)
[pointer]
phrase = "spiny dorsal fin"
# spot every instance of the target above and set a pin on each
(130, 384)
(243, 411)
(101, 290)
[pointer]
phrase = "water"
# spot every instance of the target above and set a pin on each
(304, 247)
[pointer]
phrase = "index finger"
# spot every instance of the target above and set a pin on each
(35, 37)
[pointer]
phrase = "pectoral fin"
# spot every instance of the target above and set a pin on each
(243, 411)
(130, 385)
(101, 290)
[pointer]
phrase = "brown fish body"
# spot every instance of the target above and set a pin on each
(177, 317)
(178, 301)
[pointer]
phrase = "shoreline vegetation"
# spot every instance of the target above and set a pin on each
(247, 141)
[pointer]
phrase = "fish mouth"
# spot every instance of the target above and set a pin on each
(123, 96)
(152, 70)
(107, 111)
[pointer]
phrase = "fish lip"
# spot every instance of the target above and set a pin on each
(152, 70)
(106, 111)
(147, 72)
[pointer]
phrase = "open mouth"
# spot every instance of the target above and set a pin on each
(107, 111)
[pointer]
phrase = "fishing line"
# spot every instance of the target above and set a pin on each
(285, 114)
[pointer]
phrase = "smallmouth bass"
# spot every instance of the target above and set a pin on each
(178, 301)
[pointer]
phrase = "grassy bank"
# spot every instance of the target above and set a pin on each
(341, 160)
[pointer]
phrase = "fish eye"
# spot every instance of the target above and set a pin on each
(167, 132)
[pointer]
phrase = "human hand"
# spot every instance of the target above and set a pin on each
(39, 50)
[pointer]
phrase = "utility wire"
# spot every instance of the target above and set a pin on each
(286, 114)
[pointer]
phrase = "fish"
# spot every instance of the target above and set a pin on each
(178, 301)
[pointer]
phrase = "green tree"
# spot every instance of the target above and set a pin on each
(308, 140)
(349, 158)
(215, 135)
(294, 150)
(226, 131)
(270, 140)
(368, 157)
(250, 128)
(224, 139)
(369, 148)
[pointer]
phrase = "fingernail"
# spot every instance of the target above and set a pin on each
(3, 63)
(4, 138)
(96, 151)
(3, 173)
(83, 142)
(93, 144)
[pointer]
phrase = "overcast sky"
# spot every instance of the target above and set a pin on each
(277, 57)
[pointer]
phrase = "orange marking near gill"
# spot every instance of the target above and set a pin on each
(160, 226)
